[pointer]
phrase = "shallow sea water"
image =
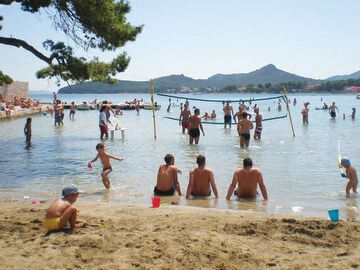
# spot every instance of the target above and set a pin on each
(301, 173)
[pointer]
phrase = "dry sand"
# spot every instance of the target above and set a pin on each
(121, 236)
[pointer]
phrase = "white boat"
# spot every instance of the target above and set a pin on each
(148, 106)
(358, 96)
(85, 106)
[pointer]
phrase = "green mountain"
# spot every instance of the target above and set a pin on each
(264, 75)
(355, 75)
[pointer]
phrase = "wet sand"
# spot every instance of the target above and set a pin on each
(123, 236)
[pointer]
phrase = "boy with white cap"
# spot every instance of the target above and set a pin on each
(62, 211)
(351, 174)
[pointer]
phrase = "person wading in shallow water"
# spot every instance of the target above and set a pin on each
(195, 126)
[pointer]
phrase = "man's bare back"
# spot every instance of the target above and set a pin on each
(166, 177)
(246, 180)
(194, 121)
(202, 179)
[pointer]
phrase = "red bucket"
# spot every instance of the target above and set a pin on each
(155, 202)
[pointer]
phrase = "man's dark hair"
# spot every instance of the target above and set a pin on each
(100, 145)
(168, 158)
(247, 162)
(196, 111)
(200, 160)
(245, 114)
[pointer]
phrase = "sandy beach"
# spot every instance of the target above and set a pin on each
(129, 236)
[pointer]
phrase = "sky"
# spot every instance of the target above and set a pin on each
(200, 38)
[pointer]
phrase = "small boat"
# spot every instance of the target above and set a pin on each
(86, 106)
(358, 97)
(148, 106)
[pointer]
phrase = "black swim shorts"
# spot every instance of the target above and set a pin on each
(246, 136)
(169, 192)
(194, 132)
(227, 119)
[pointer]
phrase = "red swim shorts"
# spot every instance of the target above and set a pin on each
(185, 124)
(104, 129)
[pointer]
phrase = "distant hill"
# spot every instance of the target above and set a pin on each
(355, 75)
(266, 74)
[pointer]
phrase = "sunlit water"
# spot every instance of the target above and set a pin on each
(300, 173)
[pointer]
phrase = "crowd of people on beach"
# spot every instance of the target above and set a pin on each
(16, 103)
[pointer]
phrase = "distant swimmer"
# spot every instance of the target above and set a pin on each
(228, 114)
(213, 115)
(325, 106)
(305, 113)
(239, 115)
(279, 107)
(353, 114)
(332, 110)
(72, 110)
(295, 101)
(167, 178)
(27, 131)
(206, 116)
(181, 107)
(195, 126)
(137, 107)
(258, 126)
(351, 174)
(184, 118)
(200, 180)
(57, 112)
(105, 160)
(244, 127)
(168, 108)
(246, 180)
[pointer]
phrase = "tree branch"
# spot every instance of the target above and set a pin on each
(21, 43)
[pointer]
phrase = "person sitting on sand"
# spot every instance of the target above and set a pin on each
(351, 174)
(105, 160)
(200, 180)
(195, 126)
(62, 211)
(247, 179)
(244, 127)
(167, 179)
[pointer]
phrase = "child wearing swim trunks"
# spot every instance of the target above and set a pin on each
(62, 211)
(105, 160)
(351, 174)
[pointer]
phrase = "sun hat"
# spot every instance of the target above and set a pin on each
(70, 190)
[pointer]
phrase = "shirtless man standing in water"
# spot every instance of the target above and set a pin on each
(200, 180)
(258, 127)
(247, 179)
(194, 125)
(184, 118)
(244, 127)
(167, 179)
(332, 110)
(239, 115)
(228, 112)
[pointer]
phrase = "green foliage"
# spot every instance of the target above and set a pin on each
(97, 24)
(335, 86)
(5, 79)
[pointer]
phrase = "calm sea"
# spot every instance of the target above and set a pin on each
(300, 173)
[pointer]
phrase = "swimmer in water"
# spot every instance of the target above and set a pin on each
(350, 173)
(332, 110)
(353, 114)
(244, 127)
(305, 113)
(195, 126)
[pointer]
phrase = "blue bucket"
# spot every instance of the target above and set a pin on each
(334, 215)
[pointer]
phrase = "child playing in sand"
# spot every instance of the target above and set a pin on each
(27, 130)
(105, 160)
(62, 211)
(351, 174)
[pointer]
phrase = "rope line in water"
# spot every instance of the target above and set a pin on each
(217, 100)
(222, 123)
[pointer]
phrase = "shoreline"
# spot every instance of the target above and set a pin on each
(128, 236)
